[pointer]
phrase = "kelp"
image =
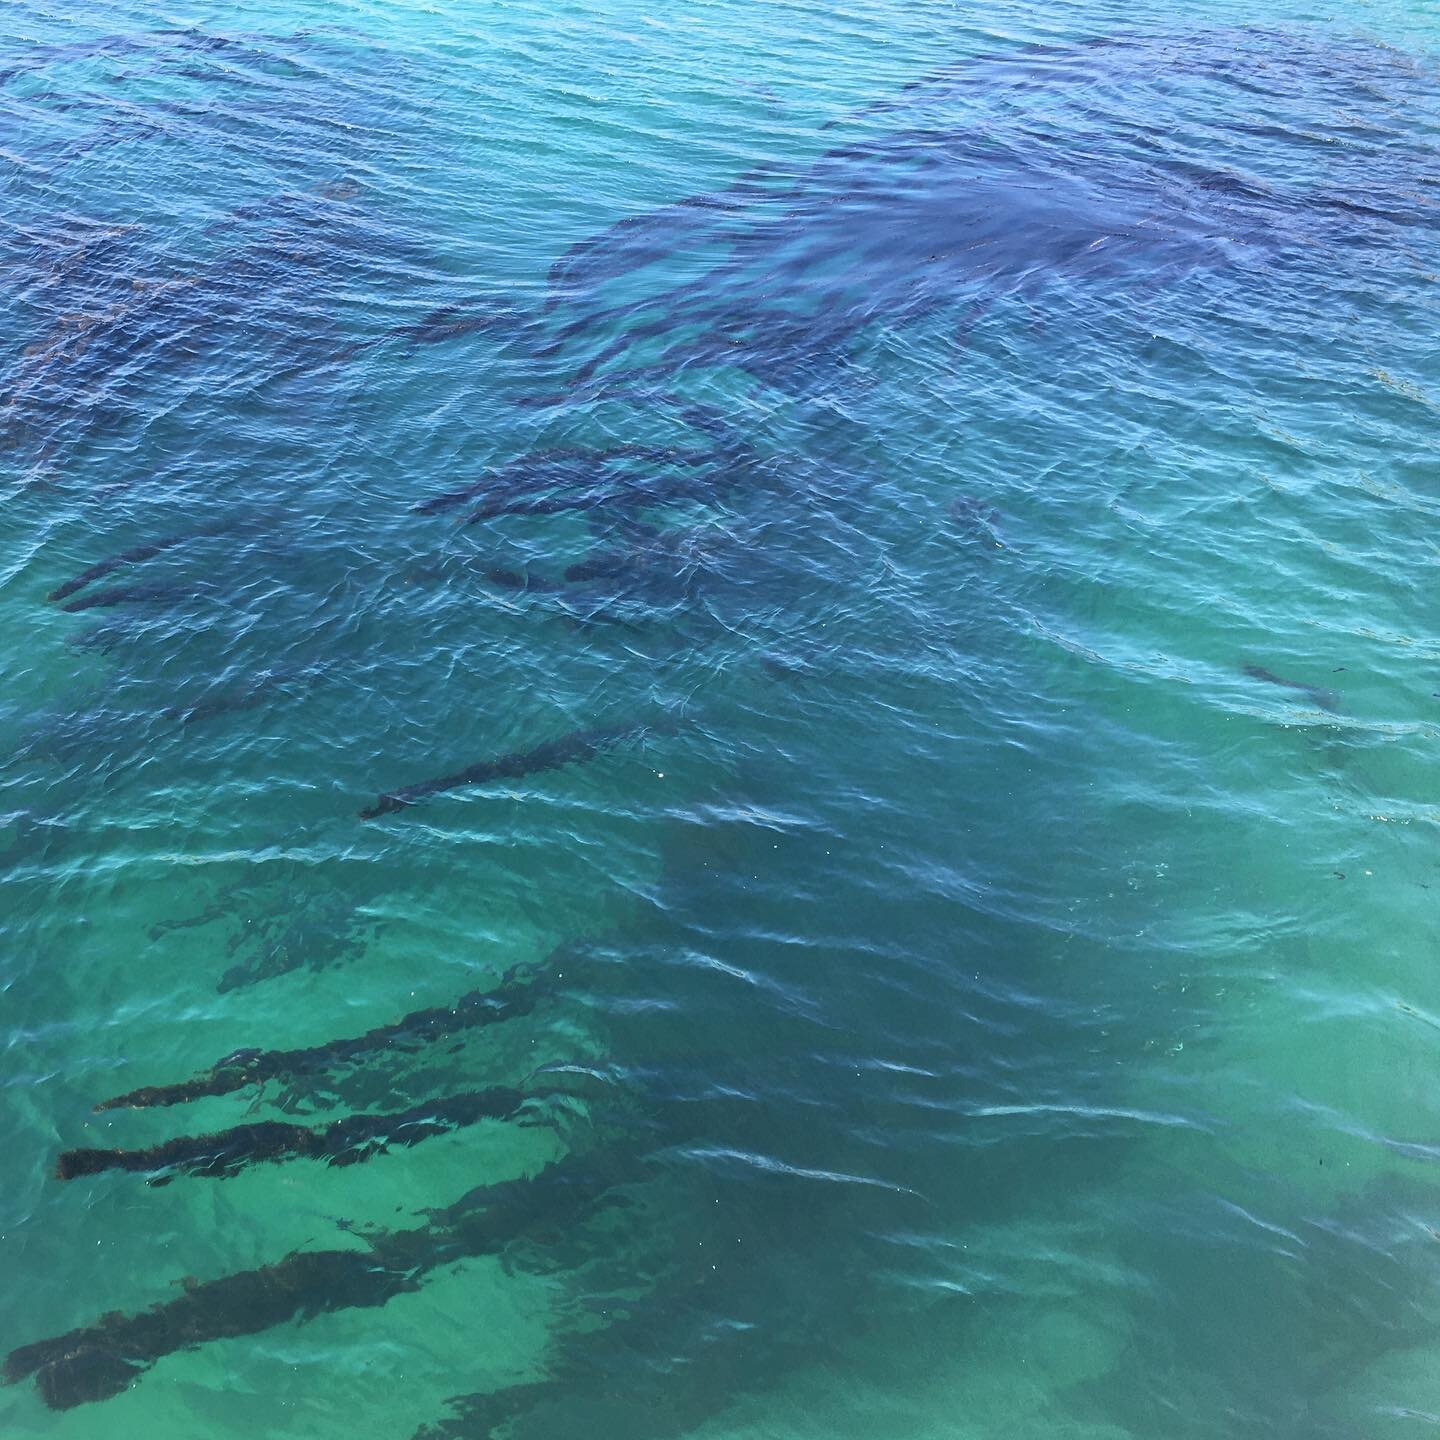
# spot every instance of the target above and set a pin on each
(568, 749)
(106, 1357)
(133, 556)
(140, 593)
(319, 929)
(162, 44)
(343, 1142)
(449, 322)
(626, 493)
(286, 917)
(1318, 696)
(513, 997)
(544, 470)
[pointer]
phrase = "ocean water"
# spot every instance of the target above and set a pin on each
(720, 719)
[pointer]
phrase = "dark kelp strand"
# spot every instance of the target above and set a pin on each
(342, 1142)
(514, 996)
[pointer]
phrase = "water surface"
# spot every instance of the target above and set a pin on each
(718, 721)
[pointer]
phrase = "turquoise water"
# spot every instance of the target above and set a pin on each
(869, 572)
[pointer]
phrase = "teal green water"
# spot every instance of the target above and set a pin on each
(869, 572)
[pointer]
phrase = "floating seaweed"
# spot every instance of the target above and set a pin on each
(342, 1142)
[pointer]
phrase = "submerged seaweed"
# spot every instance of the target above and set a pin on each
(549, 755)
(278, 921)
(515, 996)
(342, 1142)
(105, 1358)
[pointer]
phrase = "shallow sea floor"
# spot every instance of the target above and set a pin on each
(719, 720)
